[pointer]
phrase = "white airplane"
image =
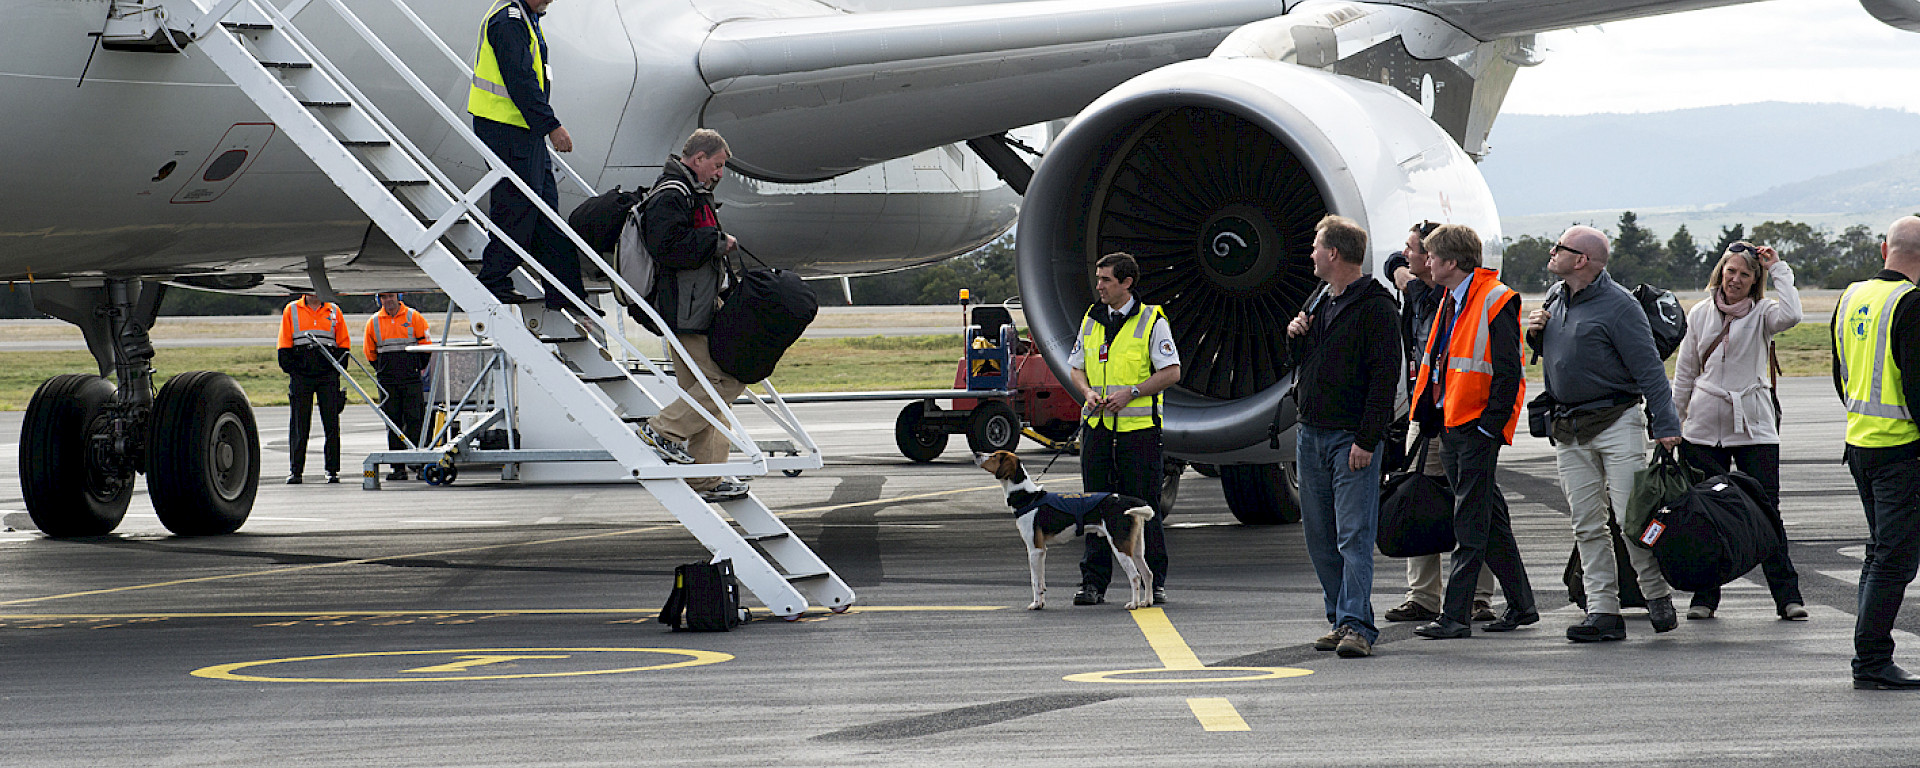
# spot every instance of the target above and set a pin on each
(1205, 137)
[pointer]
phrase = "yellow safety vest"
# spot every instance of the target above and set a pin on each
(1877, 414)
(1125, 363)
(488, 96)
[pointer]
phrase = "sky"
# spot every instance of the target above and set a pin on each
(1778, 50)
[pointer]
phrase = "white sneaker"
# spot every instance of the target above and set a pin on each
(727, 490)
(670, 451)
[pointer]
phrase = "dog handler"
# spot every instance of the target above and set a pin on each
(1122, 362)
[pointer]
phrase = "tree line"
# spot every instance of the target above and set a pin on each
(1820, 258)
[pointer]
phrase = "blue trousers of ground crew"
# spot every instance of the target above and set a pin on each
(526, 154)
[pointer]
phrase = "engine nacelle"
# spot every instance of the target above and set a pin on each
(1212, 173)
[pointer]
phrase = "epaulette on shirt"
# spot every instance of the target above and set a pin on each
(513, 11)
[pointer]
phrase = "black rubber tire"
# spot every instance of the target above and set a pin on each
(203, 460)
(1260, 494)
(1206, 470)
(916, 442)
(993, 427)
(430, 474)
(1169, 492)
(63, 493)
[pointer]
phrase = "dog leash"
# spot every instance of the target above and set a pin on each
(1071, 439)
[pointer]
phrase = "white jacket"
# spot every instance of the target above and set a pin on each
(1723, 400)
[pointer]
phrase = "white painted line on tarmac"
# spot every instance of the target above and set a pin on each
(260, 519)
(458, 522)
(1850, 577)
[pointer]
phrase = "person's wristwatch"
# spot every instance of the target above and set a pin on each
(1133, 393)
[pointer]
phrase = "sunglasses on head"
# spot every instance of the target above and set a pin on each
(1427, 228)
(1742, 248)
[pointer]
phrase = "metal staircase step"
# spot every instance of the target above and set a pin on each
(326, 104)
(795, 578)
(755, 539)
(287, 64)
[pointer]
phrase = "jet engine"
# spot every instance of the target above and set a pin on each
(1212, 173)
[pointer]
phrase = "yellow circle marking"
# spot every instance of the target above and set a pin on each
(1230, 675)
(232, 671)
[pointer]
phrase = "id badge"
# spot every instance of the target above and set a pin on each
(1103, 352)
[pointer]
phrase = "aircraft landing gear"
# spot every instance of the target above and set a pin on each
(84, 438)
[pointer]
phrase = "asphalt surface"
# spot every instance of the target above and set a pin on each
(492, 624)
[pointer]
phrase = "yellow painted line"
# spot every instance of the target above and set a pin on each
(913, 497)
(503, 612)
(1217, 714)
(485, 655)
(1166, 641)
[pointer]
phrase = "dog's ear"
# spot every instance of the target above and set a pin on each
(1003, 464)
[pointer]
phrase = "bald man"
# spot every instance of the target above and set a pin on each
(1877, 322)
(1601, 365)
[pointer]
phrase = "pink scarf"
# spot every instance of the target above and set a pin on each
(1735, 310)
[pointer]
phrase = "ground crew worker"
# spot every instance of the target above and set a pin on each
(1469, 391)
(1122, 362)
(1876, 339)
(311, 332)
(389, 332)
(511, 116)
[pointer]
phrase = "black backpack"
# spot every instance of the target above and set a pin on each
(1666, 317)
(598, 220)
(1714, 534)
(763, 315)
(705, 598)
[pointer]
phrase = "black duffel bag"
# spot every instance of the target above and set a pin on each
(1714, 534)
(763, 315)
(1416, 511)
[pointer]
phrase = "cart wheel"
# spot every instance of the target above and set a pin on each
(791, 617)
(916, 440)
(841, 608)
(431, 474)
(994, 427)
(448, 473)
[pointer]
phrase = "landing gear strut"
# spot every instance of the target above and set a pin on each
(83, 438)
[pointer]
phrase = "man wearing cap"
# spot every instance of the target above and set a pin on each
(311, 332)
(389, 332)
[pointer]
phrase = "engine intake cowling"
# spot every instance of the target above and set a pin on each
(1212, 173)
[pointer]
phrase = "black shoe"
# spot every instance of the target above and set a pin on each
(1662, 614)
(511, 296)
(398, 474)
(1444, 628)
(333, 477)
(1411, 611)
(1089, 596)
(1892, 678)
(1159, 595)
(1597, 627)
(1482, 611)
(294, 479)
(1511, 621)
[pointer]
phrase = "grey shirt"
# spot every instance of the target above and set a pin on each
(1597, 344)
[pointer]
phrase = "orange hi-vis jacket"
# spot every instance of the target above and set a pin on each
(394, 333)
(1469, 374)
(301, 325)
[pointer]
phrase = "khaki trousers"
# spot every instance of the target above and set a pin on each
(680, 422)
(1597, 477)
(1423, 572)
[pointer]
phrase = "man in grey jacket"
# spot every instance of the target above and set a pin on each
(1600, 364)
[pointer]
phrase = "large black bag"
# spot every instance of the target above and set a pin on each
(763, 315)
(1575, 575)
(1714, 534)
(598, 220)
(705, 598)
(1416, 511)
(1667, 318)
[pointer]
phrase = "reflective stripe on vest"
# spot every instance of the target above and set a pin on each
(1480, 362)
(399, 343)
(488, 95)
(1469, 382)
(1878, 415)
(297, 317)
(1129, 363)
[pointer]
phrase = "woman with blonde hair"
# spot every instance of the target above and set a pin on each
(1728, 412)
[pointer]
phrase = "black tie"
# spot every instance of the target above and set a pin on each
(1438, 361)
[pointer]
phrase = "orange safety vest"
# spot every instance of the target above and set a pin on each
(301, 325)
(394, 333)
(1469, 359)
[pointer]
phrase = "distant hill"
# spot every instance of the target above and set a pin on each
(1891, 183)
(1700, 158)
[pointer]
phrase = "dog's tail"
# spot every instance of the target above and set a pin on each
(1141, 514)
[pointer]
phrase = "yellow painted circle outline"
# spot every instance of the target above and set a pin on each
(227, 671)
(1258, 673)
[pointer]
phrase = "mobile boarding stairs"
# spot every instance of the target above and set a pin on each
(597, 380)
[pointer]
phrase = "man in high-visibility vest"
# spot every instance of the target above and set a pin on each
(511, 115)
(311, 331)
(1469, 391)
(389, 332)
(1122, 362)
(1876, 339)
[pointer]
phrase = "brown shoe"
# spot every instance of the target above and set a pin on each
(1411, 611)
(1354, 646)
(1331, 640)
(1483, 611)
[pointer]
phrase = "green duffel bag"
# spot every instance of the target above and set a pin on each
(1663, 482)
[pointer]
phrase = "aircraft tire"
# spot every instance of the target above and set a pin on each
(203, 462)
(65, 493)
(993, 427)
(1260, 494)
(916, 441)
(1169, 492)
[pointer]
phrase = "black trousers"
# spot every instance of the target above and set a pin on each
(1481, 525)
(301, 391)
(526, 154)
(1763, 463)
(1890, 492)
(1129, 463)
(406, 405)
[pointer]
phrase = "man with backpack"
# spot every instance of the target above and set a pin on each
(683, 237)
(1601, 364)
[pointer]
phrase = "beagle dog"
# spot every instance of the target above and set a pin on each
(1044, 518)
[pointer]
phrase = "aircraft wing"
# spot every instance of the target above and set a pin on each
(1494, 19)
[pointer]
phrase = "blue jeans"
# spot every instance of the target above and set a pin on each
(1340, 509)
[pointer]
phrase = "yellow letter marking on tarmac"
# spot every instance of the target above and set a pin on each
(468, 662)
(1215, 714)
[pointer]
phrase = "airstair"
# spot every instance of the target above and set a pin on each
(582, 360)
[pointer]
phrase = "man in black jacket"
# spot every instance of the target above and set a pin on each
(682, 234)
(1349, 372)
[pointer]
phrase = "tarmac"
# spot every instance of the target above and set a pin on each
(489, 623)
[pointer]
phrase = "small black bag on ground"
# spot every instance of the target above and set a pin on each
(705, 598)
(763, 315)
(1416, 512)
(1714, 534)
(1575, 575)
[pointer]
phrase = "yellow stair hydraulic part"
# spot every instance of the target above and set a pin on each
(442, 226)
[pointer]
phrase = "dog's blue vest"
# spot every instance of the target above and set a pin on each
(1079, 505)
